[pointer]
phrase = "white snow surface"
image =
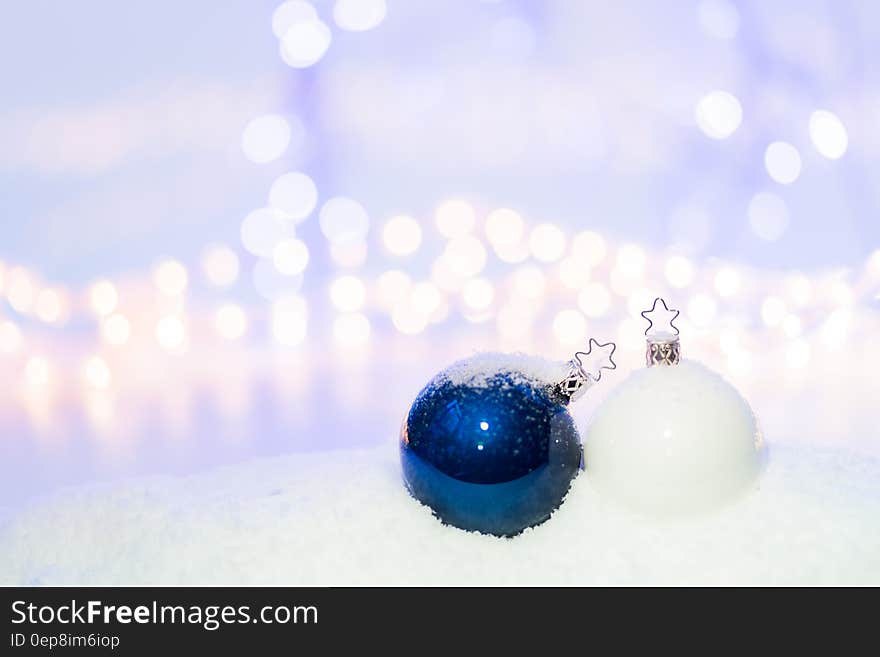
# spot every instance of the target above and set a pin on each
(344, 518)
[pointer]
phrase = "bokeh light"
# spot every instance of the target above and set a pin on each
(358, 15)
(402, 235)
(344, 220)
(478, 294)
(291, 12)
(294, 195)
(455, 218)
(408, 320)
(171, 278)
(291, 257)
(391, 287)
(783, 162)
(49, 306)
(465, 256)
(171, 333)
(272, 284)
(828, 134)
(547, 242)
(512, 254)
(348, 293)
(103, 297)
(305, 42)
(425, 298)
(230, 321)
(220, 265)
(505, 228)
(718, 114)
(20, 290)
(261, 231)
(265, 138)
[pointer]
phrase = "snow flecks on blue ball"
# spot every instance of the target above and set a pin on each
(488, 446)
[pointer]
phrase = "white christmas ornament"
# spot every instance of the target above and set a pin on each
(674, 438)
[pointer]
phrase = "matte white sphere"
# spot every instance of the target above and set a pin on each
(674, 440)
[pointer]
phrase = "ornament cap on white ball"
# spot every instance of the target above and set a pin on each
(676, 437)
(663, 346)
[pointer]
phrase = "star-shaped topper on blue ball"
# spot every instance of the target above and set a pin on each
(592, 363)
(660, 320)
(585, 369)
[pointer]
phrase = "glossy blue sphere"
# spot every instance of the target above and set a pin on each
(494, 453)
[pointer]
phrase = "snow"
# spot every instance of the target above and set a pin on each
(478, 369)
(338, 518)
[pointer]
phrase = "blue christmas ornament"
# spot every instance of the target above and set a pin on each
(489, 443)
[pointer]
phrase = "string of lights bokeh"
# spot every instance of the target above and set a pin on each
(483, 265)
(547, 280)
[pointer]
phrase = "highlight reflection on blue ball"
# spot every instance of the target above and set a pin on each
(495, 454)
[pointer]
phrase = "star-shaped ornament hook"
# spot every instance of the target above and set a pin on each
(585, 369)
(660, 320)
(592, 363)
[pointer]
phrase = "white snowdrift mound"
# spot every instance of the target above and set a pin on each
(344, 518)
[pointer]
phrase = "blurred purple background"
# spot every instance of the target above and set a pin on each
(724, 154)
